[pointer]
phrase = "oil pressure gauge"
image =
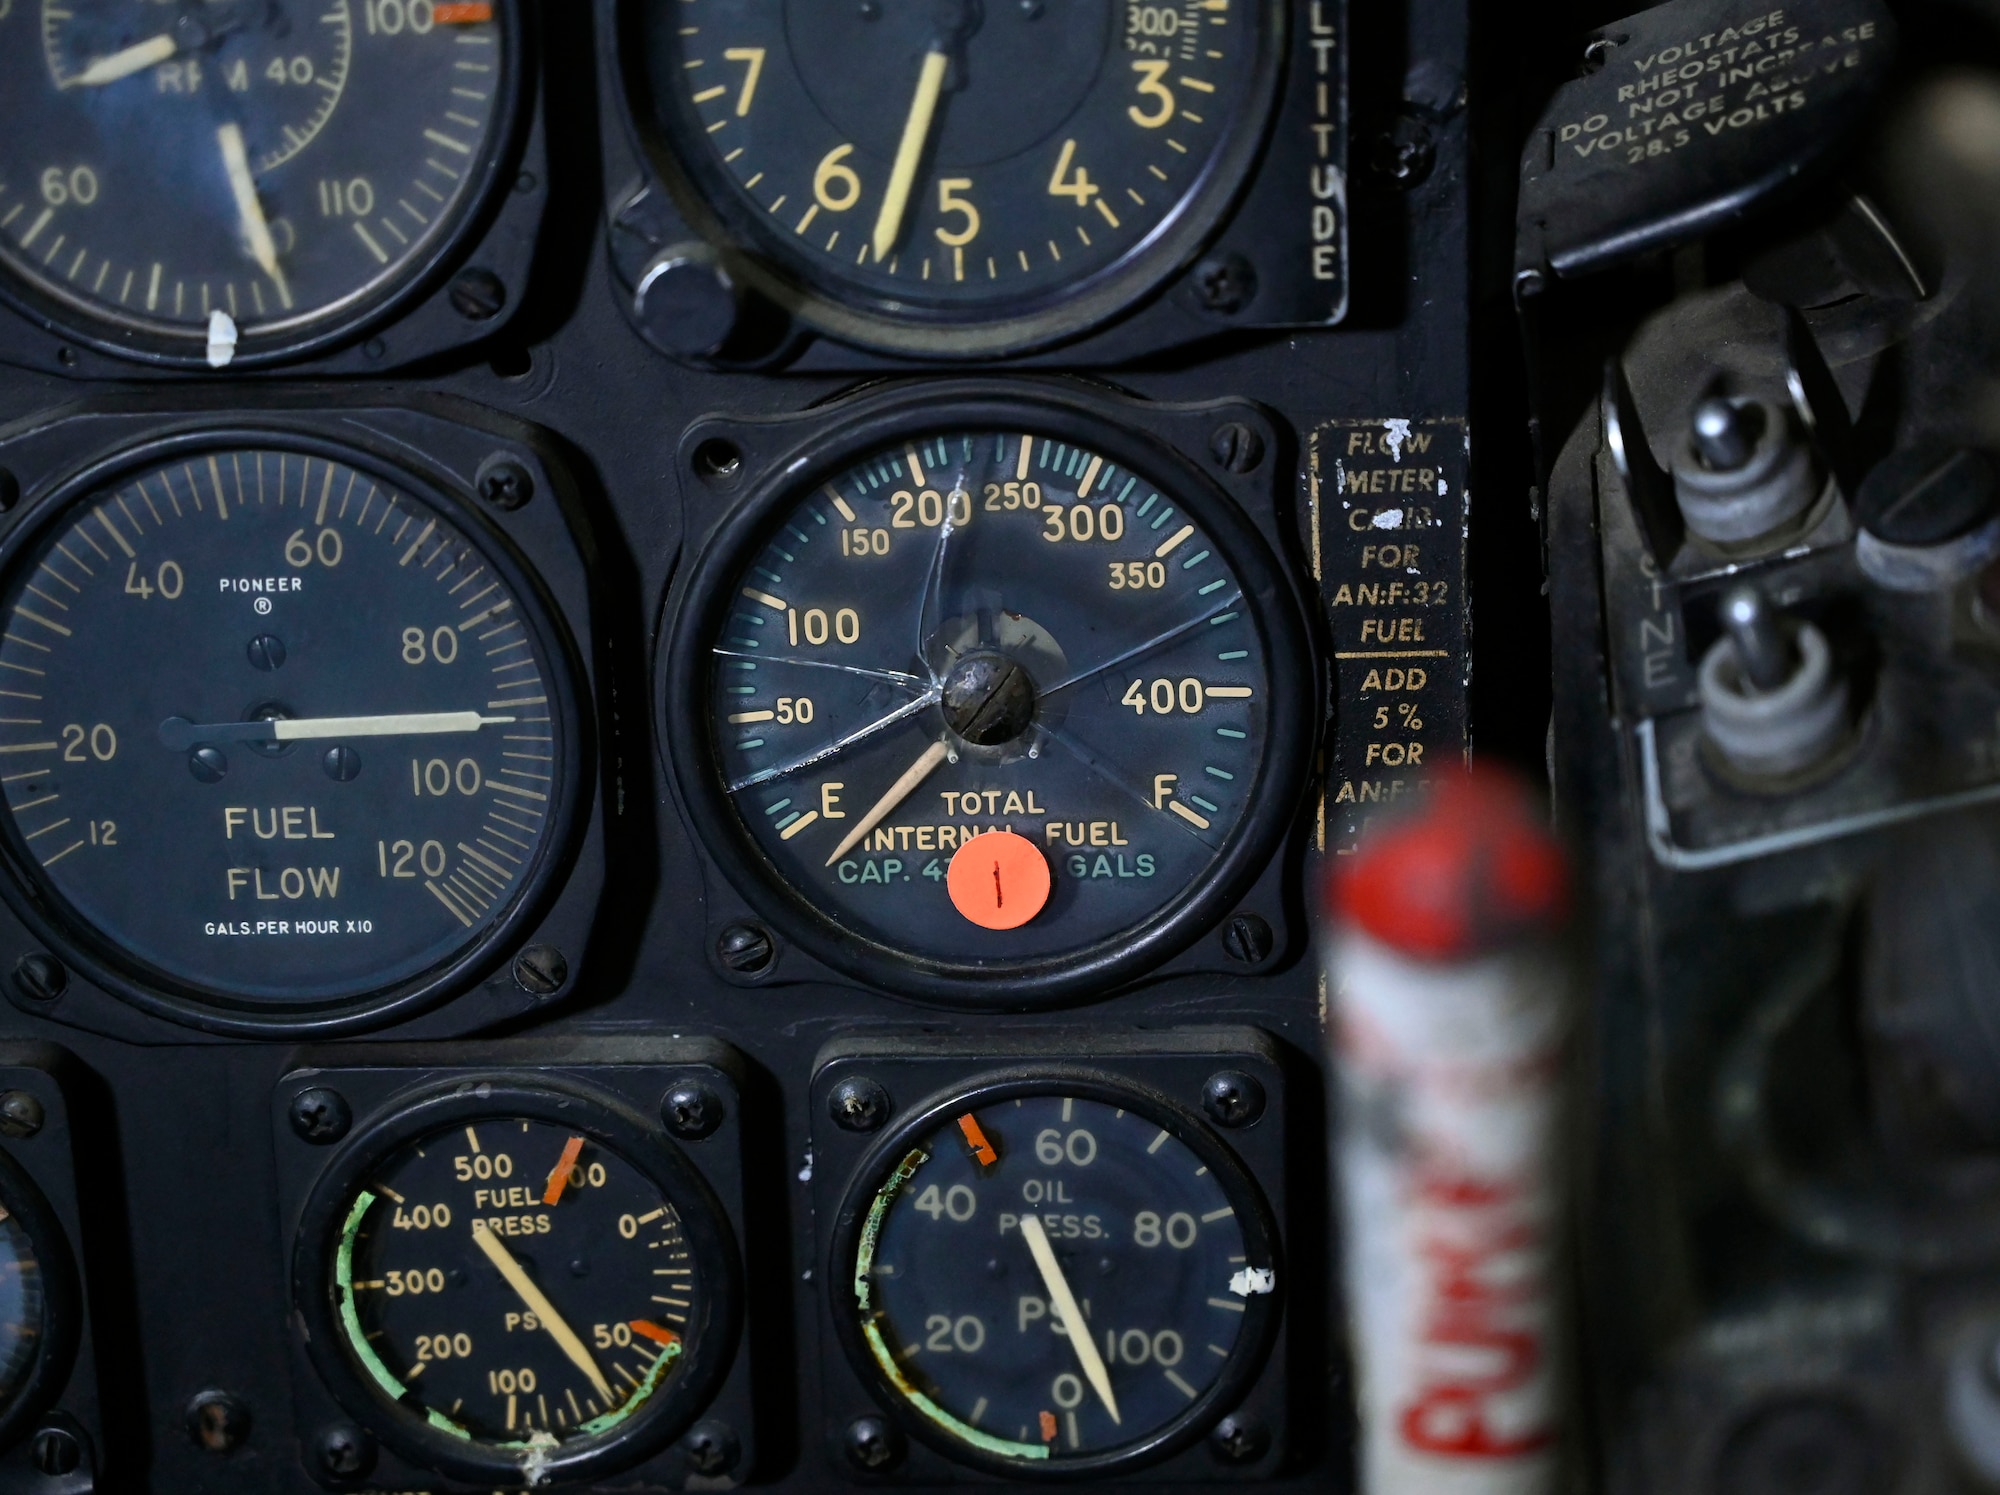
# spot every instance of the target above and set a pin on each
(991, 711)
(517, 1282)
(1055, 1278)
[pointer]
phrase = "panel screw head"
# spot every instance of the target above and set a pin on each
(540, 970)
(320, 1115)
(40, 977)
(1232, 1098)
(1225, 284)
(711, 1447)
(505, 483)
(858, 1105)
(1247, 938)
(344, 1451)
(691, 1111)
(10, 490)
(478, 295)
(342, 764)
(1403, 152)
(217, 1421)
(21, 1114)
(267, 652)
(208, 764)
(745, 949)
(57, 1450)
(873, 1443)
(1240, 1439)
(1236, 447)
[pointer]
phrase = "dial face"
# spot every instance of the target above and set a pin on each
(961, 161)
(22, 1311)
(278, 730)
(989, 698)
(280, 161)
(1013, 1219)
(515, 1282)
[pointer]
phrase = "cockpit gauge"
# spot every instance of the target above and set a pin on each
(251, 176)
(517, 1282)
(40, 1313)
(988, 711)
(958, 179)
(1055, 1278)
(290, 742)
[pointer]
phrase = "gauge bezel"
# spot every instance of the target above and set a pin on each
(62, 1306)
(355, 315)
(683, 697)
(608, 1120)
(1253, 1213)
(99, 958)
(706, 197)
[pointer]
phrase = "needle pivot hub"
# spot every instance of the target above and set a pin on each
(988, 698)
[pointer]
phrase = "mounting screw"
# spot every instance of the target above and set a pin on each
(57, 1450)
(40, 978)
(1240, 1439)
(478, 295)
(1225, 284)
(873, 1443)
(858, 1105)
(712, 1447)
(746, 949)
(342, 764)
(691, 1110)
(1402, 153)
(540, 970)
(320, 1115)
(1232, 1097)
(217, 1421)
(344, 1451)
(1247, 938)
(267, 652)
(10, 490)
(20, 1114)
(505, 483)
(1236, 447)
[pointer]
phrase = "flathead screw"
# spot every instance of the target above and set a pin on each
(21, 1115)
(56, 1450)
(541, 970)
(478, 295)
(40, 978)
(1236, 447)
(1247, 938)
(745, 949)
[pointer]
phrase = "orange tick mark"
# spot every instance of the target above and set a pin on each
(1048, 1427)
(559, 1175)
(466, 13)
(653, 1332)
(976, 1140)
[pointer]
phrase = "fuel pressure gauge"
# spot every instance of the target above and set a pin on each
(1055, 1278)
(990, 712)
(517, 1281)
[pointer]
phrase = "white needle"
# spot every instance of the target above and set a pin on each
(916, 134)
(256, 229)
(914, 775)
(542, 1308)
(123, 64)
(179, 732)
(1066, 1310)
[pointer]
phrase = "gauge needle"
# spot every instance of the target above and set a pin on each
(916, 134)
(178, 732)
(899, 791)
(263, 249)
(123, 64)
(1065, 1305)
(542, 1308)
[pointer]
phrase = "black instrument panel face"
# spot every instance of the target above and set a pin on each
(288, 165)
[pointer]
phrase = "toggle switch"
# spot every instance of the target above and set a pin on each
(1772, 704)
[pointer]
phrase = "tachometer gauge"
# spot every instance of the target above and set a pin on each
(518, 1281)
(960, 178)
(1055, 1278)
(289, 743)
(39, 1307)
(992, 713)
(287, 164)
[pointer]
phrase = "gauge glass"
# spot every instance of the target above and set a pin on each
(959, 161)
(279, 161)
(990, 698)
(280, 733)
(1013, 1218)
(21, 1307)
(516, 1283)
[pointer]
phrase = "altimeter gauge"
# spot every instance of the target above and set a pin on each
(285, 165)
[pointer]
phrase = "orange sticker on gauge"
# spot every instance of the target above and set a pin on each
(998, 880)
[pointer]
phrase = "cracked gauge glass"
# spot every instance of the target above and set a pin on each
(994, 701)
(202, 176)
(1043, 1281)
(285, 740)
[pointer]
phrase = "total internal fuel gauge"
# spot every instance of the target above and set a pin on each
(1001, 702)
